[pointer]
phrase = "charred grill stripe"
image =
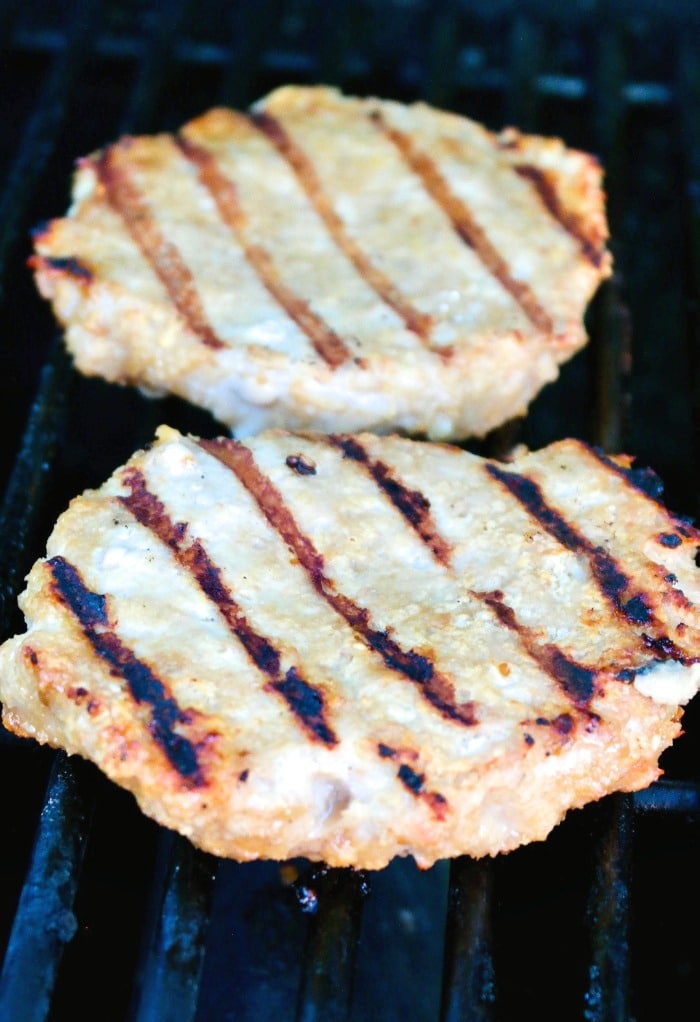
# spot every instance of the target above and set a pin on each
(415, 782)
(529, 495)
(126, 199)
(465, 225)
(69, 265)
(612, 580)
(303, 167)
(90, 609)
(412, 504)
(576, 680)
(592, 245)
(306, 702)
(617, 587)
(327, 343)
(412, 780)
(433, 686)
(644, 479)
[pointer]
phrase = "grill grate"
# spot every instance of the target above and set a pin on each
(99, 906)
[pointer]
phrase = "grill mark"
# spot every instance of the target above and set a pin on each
(464, 223)
(576, 680)
(412, 504)
(643, 479)
(90, 609)
(414, 781)
(69, 265)
(543, 182)
(416, 321)
(128, 202)
(615, 585)
(326, 342)
(436, 688)
(304, 700)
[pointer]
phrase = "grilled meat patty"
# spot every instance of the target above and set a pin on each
(352, 647)
(330, 262)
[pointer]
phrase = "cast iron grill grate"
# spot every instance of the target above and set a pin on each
(99, 909)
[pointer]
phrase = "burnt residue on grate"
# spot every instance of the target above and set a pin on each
(100, 909)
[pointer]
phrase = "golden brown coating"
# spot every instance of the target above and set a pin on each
(331, 262)
(354, 647)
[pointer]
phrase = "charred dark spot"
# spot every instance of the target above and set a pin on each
(306, 703)
(611, 578)
(529, 740)
(669, 539)
(437, 803)
(32, 656)
(301, 465)
(70, 266)
(564, 723)
(643, 479)
(646, 480)
(638, 610)
(577, 680)
(243, 776)
(626, 674)
(542, 721)
(415, 666)
(671, 578)
(686, 525)
(665, 649)
(413, 781)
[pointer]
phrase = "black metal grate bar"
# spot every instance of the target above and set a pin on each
(469, 990)
(334, 898)
(669, 797)
(24, 497)
(169, 978)
(606, 998)
(154, 65)
(44, 922)
(45, 124)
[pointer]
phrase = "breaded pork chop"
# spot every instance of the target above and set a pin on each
(332, 263)
(352, 647)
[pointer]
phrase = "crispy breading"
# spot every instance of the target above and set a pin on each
(353, 647)
(330, 262)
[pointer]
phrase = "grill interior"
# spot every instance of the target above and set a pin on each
(99, 906)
